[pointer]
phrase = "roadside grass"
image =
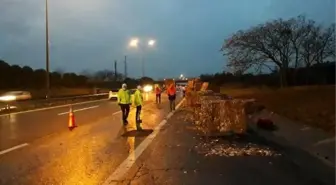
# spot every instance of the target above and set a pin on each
(312, 105)
(58, 92)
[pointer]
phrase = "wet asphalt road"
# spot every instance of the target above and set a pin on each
(93, 151)
(86, 155)
(19, 128)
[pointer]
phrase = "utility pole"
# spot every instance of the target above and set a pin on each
(125, 68)
(115, 70)
(143, 65)
(47, 50)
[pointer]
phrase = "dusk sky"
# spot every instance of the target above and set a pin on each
(91, 34)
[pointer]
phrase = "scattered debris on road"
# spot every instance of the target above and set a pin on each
(214, 148)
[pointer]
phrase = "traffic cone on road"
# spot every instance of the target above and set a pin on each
(72, 123)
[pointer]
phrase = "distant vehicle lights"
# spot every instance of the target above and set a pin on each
(7, 98)
(147, 88)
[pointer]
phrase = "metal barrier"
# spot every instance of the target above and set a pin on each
(10, 106)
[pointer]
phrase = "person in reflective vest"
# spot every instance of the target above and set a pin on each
(124, 101)
(158, 94)
(171, 96)
(138, 101)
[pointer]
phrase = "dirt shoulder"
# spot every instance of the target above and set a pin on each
(311, 105)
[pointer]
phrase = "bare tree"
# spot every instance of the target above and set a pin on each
(263, 45)
(327, 44)
(332, 47)
(281, 43)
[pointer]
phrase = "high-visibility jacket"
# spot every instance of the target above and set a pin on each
(138, 99)
(171, 90)
(157, 90)
(124, 96)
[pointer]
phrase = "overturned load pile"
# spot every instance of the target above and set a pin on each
(216, 114)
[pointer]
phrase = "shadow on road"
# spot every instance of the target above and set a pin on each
(136, 133)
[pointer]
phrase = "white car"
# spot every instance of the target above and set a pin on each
(15, 95)
(113, 94)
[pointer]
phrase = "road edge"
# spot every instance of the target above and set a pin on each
(127, 164)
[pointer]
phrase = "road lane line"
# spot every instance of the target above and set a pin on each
(55, 107)
(13, 148)
(116, 113)
(325, 141)
(126, 165)
(77, 110)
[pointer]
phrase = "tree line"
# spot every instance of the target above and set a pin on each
(323, 74)
(16, 77)
(296, 51)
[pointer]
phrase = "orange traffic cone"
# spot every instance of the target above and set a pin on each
(71, 124)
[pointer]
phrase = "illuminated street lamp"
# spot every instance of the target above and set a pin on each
(151, 42)
(135, 43)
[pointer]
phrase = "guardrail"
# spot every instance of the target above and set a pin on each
(14, 106)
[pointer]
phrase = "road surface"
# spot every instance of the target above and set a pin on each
(97, 153)
(38, 148)
(20, 128)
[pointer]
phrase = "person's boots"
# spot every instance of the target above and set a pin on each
(124, 129)
(138, 122)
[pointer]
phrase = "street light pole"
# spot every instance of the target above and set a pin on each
(143, 63)
(135, 43)
(47, 51)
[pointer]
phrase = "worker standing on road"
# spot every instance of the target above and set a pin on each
(183, 90)
(124, 101)
(158, 94)
(171, 96)
(138, 100)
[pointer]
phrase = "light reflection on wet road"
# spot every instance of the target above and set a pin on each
(87, 155)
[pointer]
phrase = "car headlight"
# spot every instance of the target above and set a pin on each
(148, 88)
(7, 98)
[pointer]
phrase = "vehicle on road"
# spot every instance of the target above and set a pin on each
(148, 88)
(15, 96)
(113, 94)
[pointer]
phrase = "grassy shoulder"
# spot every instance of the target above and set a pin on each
(312, 105)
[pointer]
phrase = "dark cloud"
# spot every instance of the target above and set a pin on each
(91, 34)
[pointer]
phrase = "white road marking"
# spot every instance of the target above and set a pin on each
(77, 110)
(55, 107)
(116, 112)
(126, 165)
(325, 141)
(13, 148)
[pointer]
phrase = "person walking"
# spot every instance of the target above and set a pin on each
(183, 90)
(124, 101)
(172, 96)
(158, 94)
(138, 101)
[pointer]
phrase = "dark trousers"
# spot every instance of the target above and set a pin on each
(125, 109)
(137, 116)
(172, 102)
(158, 98)
(183, 93)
